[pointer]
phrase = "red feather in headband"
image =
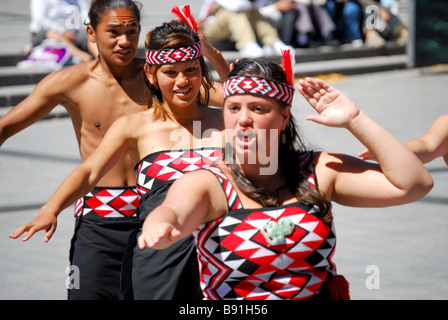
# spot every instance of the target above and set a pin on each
(186, 16)
(288, 63)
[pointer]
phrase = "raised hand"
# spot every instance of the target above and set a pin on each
(220, 64)
(207, 48)
(334, 108)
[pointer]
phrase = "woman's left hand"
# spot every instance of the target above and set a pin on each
(334, 108)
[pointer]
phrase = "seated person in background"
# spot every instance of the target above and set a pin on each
(385, 26)
(301, 23)
(347, 16)
(283, 16)
(64, 22)
(242, 21)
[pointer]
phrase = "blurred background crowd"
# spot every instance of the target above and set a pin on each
(255, 28)
(260, 27)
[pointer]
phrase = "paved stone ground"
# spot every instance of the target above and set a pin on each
(405, 244)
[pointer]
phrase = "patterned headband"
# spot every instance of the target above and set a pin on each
(165, 56)
(259, 86)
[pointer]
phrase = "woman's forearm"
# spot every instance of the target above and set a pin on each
(76, 185)
(399, 164)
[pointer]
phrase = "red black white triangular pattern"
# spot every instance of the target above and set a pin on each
(109, 202)
(259, 86)
(232, 197)
(235, 249)
(165, 166)
(237, 261)
(164, 56)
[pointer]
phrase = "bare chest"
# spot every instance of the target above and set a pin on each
(99, 105)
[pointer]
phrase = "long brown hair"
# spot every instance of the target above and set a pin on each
(174, 34)
(289, 155)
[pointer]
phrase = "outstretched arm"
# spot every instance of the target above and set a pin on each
(194, 198)
(78, 183)
(351, 181)
(47, 94)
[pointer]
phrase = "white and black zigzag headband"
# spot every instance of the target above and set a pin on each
(165, 56)
(259, 86)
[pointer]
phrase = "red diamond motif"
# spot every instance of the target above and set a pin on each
(126, 203)
(98, 205)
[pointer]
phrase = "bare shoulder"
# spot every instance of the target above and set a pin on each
(205, 176)
(134, 125)
(67, 78)
(134, 120)
(75, 72)
(321, 158)
(198, 184)
(202, 184)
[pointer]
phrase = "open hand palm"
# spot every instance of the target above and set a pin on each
(333, 107)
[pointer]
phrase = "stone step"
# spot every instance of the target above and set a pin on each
(11, 75)
(16, 84)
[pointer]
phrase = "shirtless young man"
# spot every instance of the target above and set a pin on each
(95, 94)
